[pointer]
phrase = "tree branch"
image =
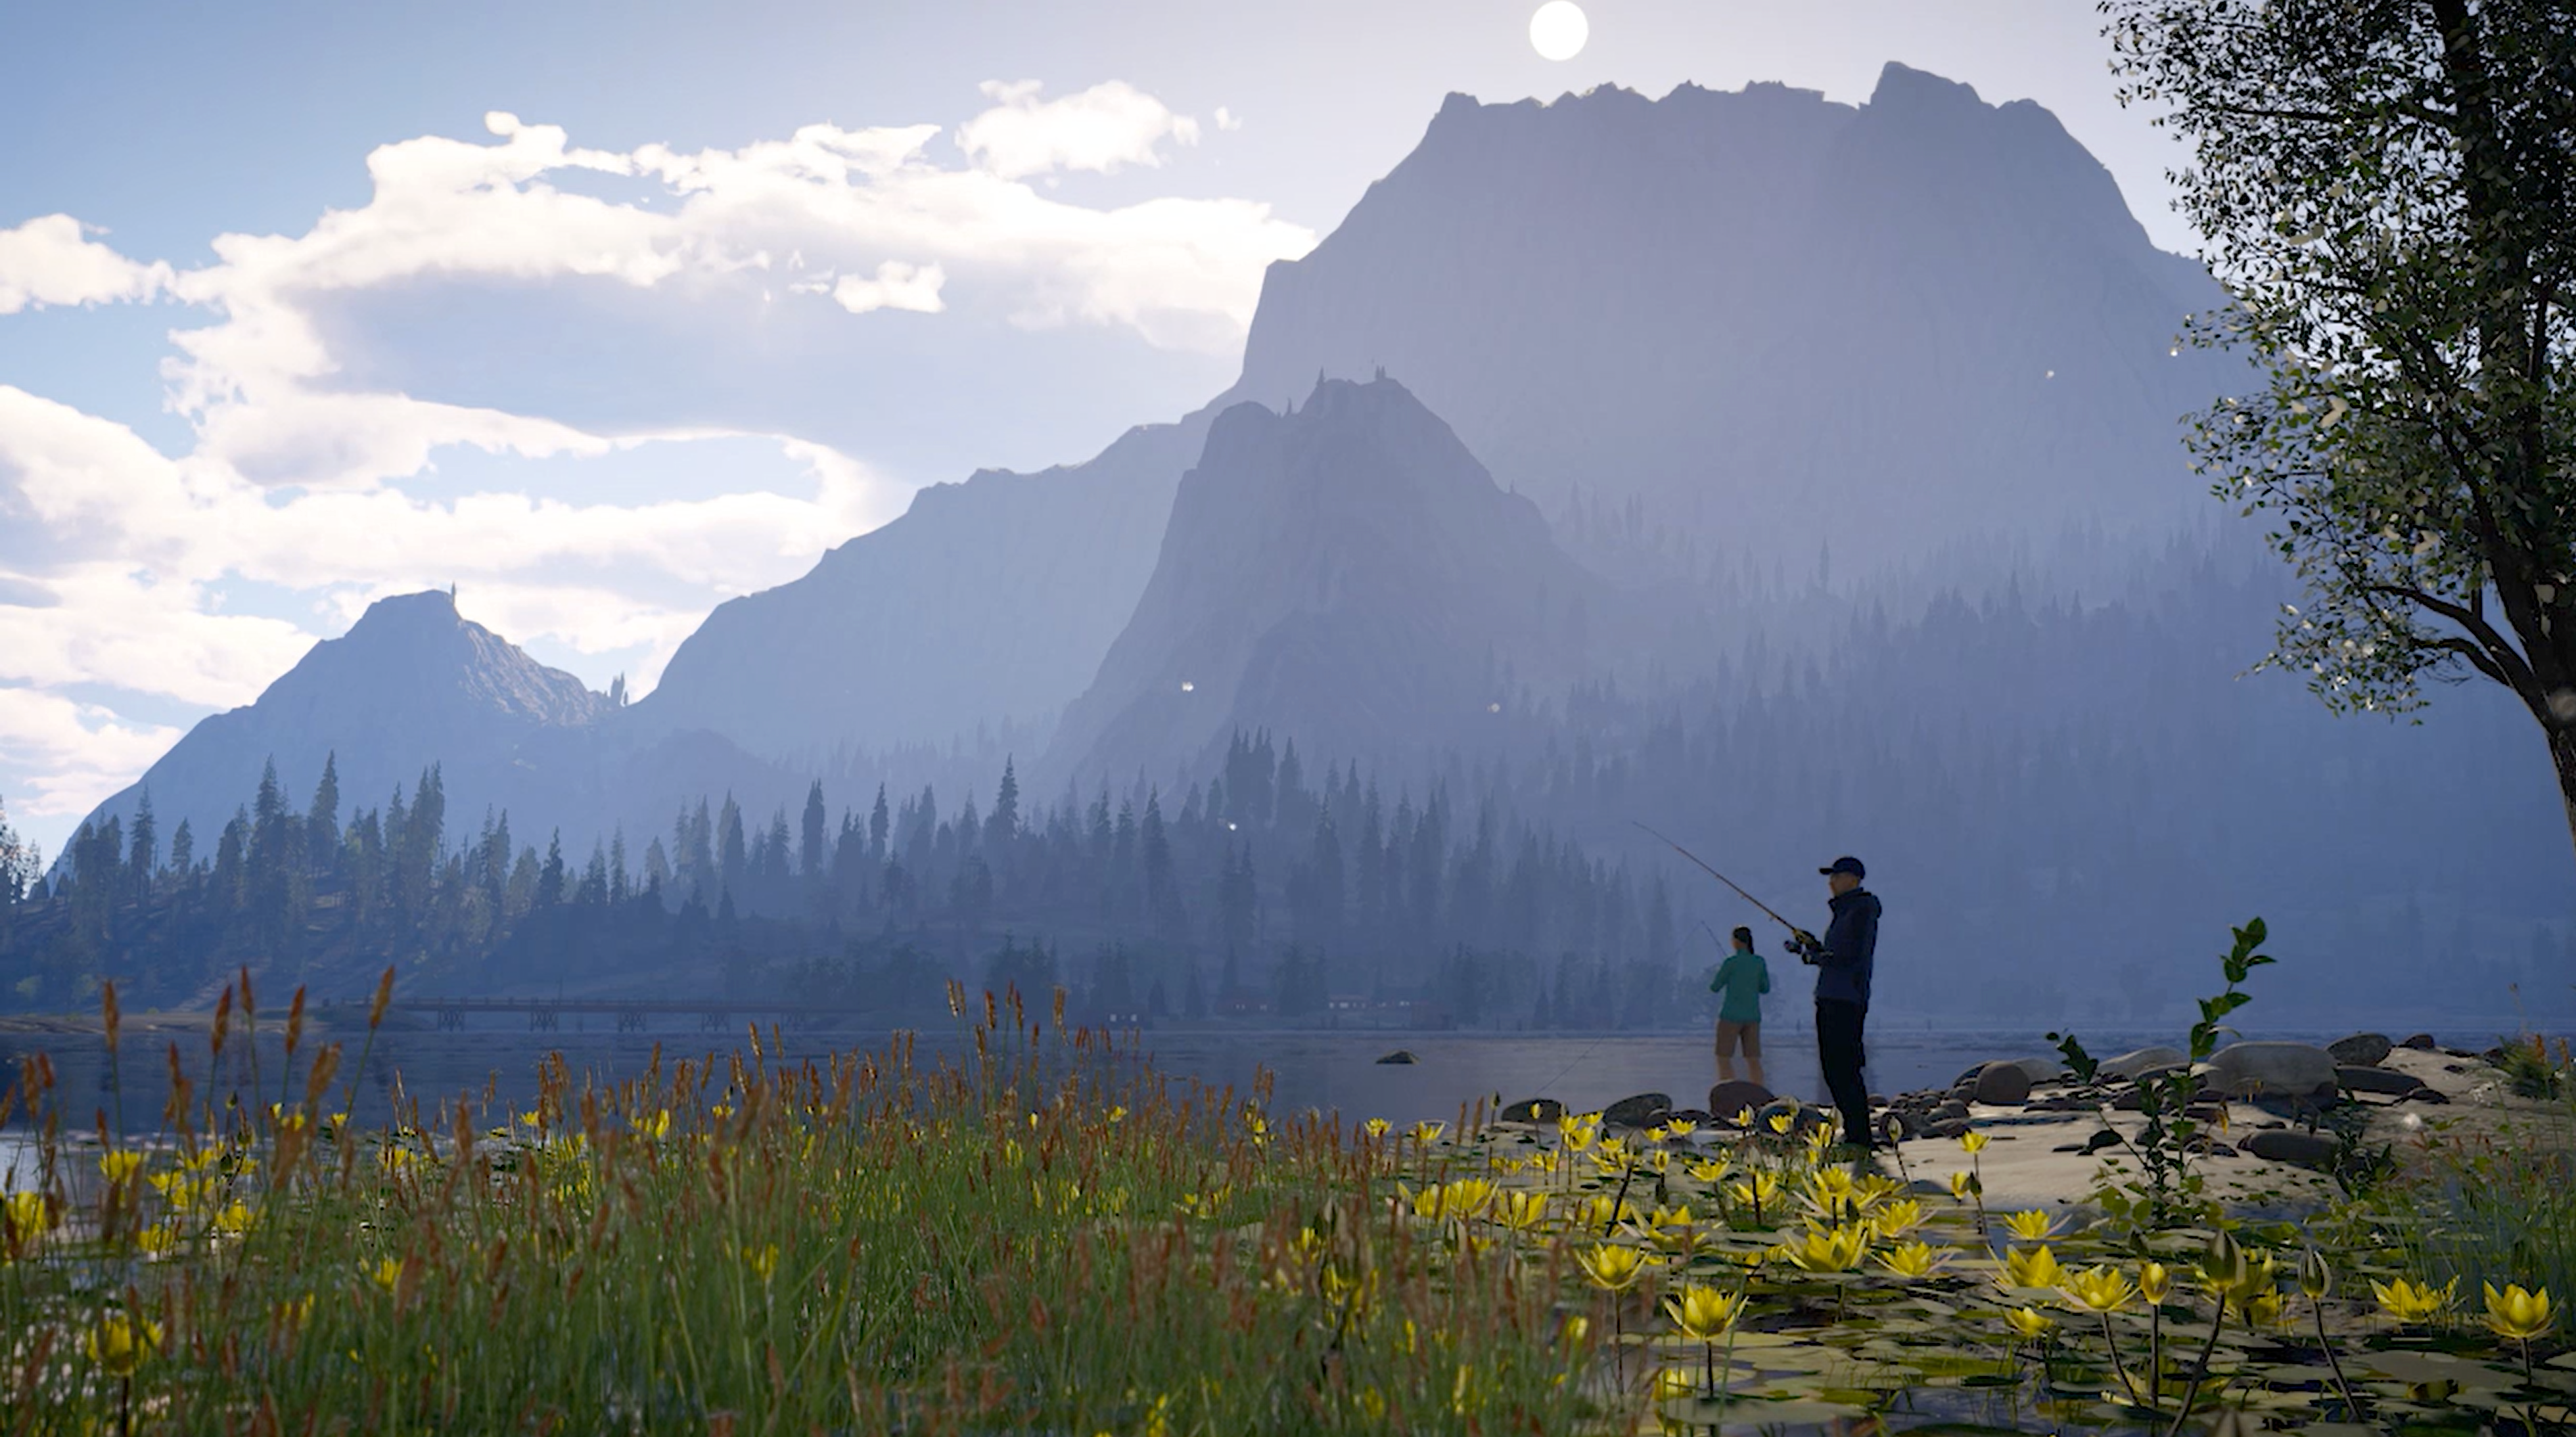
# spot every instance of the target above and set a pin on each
(2502, 663)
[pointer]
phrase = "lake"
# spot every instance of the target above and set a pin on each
(1327, 1070)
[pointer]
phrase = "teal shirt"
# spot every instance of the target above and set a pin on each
(1743, 978)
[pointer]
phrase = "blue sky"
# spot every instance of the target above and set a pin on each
(606, 312)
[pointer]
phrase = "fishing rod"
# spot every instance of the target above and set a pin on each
(1794, 930)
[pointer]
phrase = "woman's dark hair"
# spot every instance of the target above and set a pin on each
(1744, 937)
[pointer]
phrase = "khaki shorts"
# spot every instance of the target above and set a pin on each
(1728, 1034)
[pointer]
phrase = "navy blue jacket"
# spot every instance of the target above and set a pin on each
(1851, 945)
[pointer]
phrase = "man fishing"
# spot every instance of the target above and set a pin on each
(1844, 958)
(1846, 955)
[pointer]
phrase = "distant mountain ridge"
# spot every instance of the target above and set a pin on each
(1345, 572)
(411, 684)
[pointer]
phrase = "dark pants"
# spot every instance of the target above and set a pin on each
(1839, 1053)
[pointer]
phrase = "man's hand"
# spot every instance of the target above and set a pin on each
(1805, 945)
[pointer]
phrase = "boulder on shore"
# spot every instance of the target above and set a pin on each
(1533, 1110)
(2361, 1050)
(2364, 1079)
(1728, 1099)
(2002, 1084)
(1400, 1055)
(2271, 1069)
(2142, 1061)
(2420, 1042)
(2307, 1150)
(1637, 1111)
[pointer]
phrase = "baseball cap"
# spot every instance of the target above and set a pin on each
(1846, 864)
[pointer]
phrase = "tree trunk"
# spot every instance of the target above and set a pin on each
(2562, 751)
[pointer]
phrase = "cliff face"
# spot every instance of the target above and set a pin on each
(1346, 572)
(1780, 323)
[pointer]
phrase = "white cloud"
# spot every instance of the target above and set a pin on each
(115, 557)
(897, 286)
(1099, 129)
(48, 260)
(79, 753)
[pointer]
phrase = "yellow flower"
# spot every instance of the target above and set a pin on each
(1545, 1160)
(2154, 1281)
(157, 1239)
(1376, 1127)
(1576, 1133)
(1464, 1198)
(761, 1260)
(2233, 1275)
(2031, 1267)
(1117, 1114)
(1657, 1133)
(234, 1220)
(120, 1167)
(1964, 1183)
(2031, 1225)
(1832, 1192)
(2098, 1289)
(1897, 1219)
(1780, 1122)
(2517, 1314)
(1835, 1249)
(1425, 1134)
(1744, 1117)
(1708, 1170)
(659, 1127)
(119, 1343)
(2262, 1309)
(1577, 1328)
(532, 1120)
(2316, 1278)
(388, 1272)
(1680, 1127)
(1974, 1142)
(1704, 1313)
(1913, 1259)
(295, 1311)
(2030, 1323)
(1612, 1266)
(1601, 1210)
(1673, 1383)
(1522, 1210)
(1463, 1397)
(2415, 1302)
(1758, 1189)
(26, 1217)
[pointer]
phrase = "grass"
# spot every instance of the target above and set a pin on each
(1046, 1236)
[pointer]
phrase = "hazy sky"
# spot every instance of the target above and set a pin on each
(606, 311)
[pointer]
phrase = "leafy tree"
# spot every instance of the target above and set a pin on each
(2388, 190)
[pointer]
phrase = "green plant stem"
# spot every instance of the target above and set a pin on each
(2191, 1391)
(2113, 1345)
(2351, 1406)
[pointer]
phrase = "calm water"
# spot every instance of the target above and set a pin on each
(1331, 1071)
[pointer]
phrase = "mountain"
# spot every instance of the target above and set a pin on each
(1786, 326)
(411, 684)
(988, 603)
(1347, 573)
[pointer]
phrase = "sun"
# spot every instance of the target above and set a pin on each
(1558, 30)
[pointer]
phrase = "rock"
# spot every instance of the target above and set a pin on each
(1876, 1101)
(1400, 1055)
(2103, 1139)
(2218, 1149)
(2002, 1084)
(2425, 1095)
(1533, 1110)
(1949, 1112)
(2143, 1061)
(2247, 1069)
(1903, 1126)
(2069, 1148)
(1728, 1099)
(2361, 1050)
(2420, 1042)
(2041, 1070)
(1803, 1116)
(2365, 1079)
(2307, 1150)
(1637, 1111)
(1948, 1128)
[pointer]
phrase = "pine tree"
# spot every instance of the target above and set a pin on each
(1004, 824)
(618, 887)
(877, 823)
(733, 860)
(812, 857)
(183, 853)
(145, 859)
(1162, 891)
(322, 823)
(550, 879)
